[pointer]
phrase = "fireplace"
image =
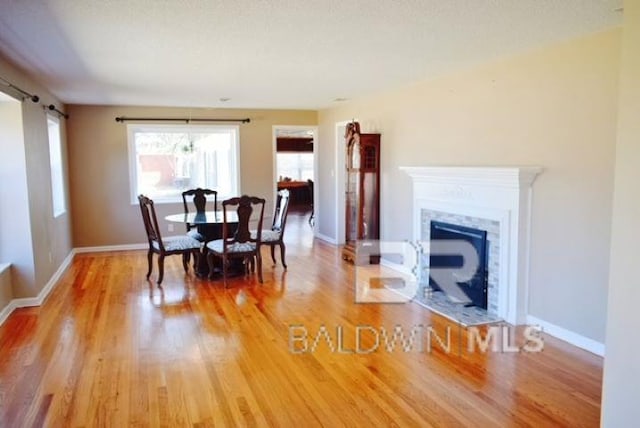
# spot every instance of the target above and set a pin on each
(495, 258)
(474, 289)
(493, 199)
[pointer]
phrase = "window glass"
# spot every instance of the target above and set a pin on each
(168, 159)
(57, 173)
(296, 166)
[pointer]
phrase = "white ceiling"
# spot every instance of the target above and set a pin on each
(271, 54)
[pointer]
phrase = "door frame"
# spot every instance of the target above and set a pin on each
(274, 165)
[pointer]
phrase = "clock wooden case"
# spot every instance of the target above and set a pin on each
(362, 221)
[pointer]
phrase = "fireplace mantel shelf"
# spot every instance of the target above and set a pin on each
(503, 176)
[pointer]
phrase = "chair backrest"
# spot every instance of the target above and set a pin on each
(248, 208)
(280, 215)
(310, 185)
(150, 220)
(199, 199)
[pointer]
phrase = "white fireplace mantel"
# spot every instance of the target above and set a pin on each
(503, 194)
(503, 176)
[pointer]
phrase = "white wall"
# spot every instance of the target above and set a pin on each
(620, 406)
(554, 107)
(15, 221)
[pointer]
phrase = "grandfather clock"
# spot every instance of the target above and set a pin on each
(362, 225)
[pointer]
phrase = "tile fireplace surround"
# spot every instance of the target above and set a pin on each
(496, 196)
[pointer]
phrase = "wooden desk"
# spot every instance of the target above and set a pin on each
(292, 184)
(299, 191)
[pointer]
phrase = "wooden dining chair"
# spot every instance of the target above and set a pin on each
(312, 215)
(275, 235)
(241, 243)
(199, 197)
(183, 245)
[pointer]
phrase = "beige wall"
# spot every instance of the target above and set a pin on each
(622, 363)
(51, 237)
(555, 108)
(99, 168)
(5, 286)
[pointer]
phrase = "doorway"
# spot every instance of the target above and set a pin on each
(295, 169)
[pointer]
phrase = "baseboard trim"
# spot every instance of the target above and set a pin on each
(326, 238)
(4, 314)
(106, 248)
(6, 311)
(49, 286)
(25, 302)
(568, 336)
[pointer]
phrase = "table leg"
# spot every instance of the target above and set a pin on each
(212, 232)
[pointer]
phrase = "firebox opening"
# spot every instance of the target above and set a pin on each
(476, 288)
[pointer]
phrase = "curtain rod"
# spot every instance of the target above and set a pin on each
(22, 92)
(178, 119)
(60, 113)
(32, 97)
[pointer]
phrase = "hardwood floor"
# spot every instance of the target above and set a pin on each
(109, 348)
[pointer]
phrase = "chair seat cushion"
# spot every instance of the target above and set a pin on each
(196, 235)
(267, 235)
(177, 243)
(236, 247)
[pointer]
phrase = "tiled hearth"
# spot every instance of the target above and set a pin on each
(467, 316)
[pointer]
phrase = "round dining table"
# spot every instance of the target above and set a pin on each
(204, 218)
(209, 226)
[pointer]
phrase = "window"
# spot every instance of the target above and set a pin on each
(55, 159)
(297, 166)
(165, 160)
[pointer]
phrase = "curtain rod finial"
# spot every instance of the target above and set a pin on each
(61, 113)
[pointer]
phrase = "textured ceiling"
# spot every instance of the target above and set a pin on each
(271, 54)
